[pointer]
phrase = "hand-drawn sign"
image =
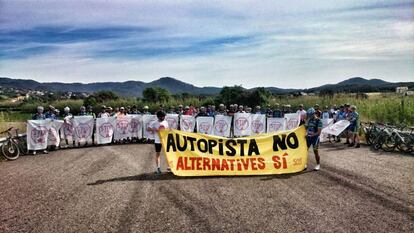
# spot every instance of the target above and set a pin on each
(204, 127)
(83, 130)
(292, 123)
(149, 133)
(187, 124)
(257, 126)
(221, 126)
(122, 126)
(52, 134)
(275, 126)
(39, 135)
(172, 122)
(67, 129)
(135, 125)
(242, 123)
(105, 130)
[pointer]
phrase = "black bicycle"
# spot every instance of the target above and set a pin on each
(14, 146)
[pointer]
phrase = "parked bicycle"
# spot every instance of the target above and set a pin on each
(389, 138)
(14, 146)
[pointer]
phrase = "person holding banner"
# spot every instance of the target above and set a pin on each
(160, 124)
(39, 116)
(353, 118)
(313, 131)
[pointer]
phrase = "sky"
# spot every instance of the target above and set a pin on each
(286, 44)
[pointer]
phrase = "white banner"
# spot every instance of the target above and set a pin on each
(172, 120)
(242, 124)
(122, 130)
(135, 126)
(222, 125)
(258, 123)
(37, 133)
(147, 121)
(187, 123)
(292, 121)
(53, 139)
(336, 128)
(104, 130)
(275, 124)
(205, 125)
(67, 131)
(83, 127)
(326, 122)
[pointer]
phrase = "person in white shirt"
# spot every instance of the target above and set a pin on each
(155, 126)
(302, 113)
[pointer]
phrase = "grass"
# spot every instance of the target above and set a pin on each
(383, 107)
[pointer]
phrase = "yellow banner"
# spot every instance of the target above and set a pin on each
(191, 154)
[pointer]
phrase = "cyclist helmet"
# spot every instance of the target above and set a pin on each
(310, 111)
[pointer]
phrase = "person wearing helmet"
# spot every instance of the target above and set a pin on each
(313, 131)
(155, 126)
(353, 118)
(39, 114)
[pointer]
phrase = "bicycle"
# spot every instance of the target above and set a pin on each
(14, 146)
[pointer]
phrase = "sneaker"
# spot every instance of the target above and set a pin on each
(357, 146)
(34, 152)
(168, 169)
(45, 152)
(306, 167)
(317, 167)
(351, 145)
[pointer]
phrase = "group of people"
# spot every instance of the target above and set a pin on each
(312, 119)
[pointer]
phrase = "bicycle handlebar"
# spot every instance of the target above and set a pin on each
(8, 130)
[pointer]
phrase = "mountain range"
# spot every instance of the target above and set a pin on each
(135, 88)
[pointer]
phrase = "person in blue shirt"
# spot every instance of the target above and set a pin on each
(39, 114)
(51, 113)
(313, 131)
(353, 118)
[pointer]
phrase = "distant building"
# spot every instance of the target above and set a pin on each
(401, 90)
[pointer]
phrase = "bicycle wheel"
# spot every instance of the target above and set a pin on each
(10, 150)
(389, 144)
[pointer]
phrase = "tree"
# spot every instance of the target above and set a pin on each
(156, 94)
(231, 95)
(100, 97)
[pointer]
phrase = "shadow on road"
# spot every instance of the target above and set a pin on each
(171, 176)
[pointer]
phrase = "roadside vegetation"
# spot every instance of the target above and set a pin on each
(382, 107)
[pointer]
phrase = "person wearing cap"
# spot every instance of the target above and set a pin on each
(121, 112)
(221, 110)
(155, 126)
(241, 109)
(277, 113)
(231, 110)
(187, 111)
(318, 111)
(353, 118)
(202, 112)
(180, 110)
(145, 110)
(103, 113)
(51, 113)
(313, 131)
(302, 113)
(257, 110)
(82, 111)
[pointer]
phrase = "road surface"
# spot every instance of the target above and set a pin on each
(114, 189)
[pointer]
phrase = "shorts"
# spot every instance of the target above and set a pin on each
(353, 128)
(313, 141)
(157, 147)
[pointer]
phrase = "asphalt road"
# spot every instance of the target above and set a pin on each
(114, 189)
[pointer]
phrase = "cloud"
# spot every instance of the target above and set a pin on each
(207, 42)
